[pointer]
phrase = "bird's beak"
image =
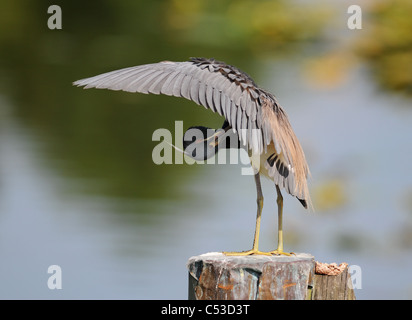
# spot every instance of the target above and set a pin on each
(215, 138)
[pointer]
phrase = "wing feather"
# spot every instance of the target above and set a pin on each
(194, 90)
(129, 83)
(233, 115)
(222, 103)
(167, 87)
(209, 98)
(185, 89)
(177, 84)
(148, 81)
(202, 94)
(157, 85)
(124, 74)
(244, 131)
(216, 101)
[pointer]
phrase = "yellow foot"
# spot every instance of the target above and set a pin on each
(281, 252)
(247, 253)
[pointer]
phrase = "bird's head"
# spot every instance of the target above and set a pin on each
(201, 143)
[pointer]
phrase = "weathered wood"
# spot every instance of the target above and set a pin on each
(215, 276)
(337, 287)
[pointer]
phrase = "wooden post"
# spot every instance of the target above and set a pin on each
(214, 276)
(337, 287)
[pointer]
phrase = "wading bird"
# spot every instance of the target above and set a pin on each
(253, 114)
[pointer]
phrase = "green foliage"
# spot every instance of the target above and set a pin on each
(387, 43)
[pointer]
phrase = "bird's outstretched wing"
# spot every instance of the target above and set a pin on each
(252, 112)
(215, 85)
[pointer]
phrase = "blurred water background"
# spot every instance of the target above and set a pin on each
(79, 189)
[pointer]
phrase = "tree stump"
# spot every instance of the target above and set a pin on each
(215, 276)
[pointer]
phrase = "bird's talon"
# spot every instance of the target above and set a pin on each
(248, 253)
(282, 253)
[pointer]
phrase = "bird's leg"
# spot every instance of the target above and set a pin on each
(255, 249)
(279, 250)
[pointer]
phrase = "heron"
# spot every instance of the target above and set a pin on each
(251, 113)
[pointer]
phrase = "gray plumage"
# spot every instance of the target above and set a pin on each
(253, 113)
